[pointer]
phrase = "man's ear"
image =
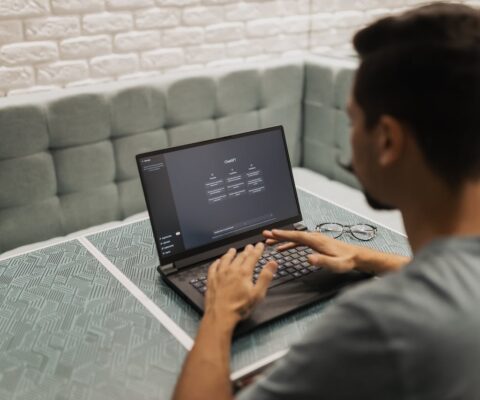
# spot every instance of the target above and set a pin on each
(391, 140)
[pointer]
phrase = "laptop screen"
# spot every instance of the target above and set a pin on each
(208, 194)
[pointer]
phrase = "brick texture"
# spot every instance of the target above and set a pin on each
(50, 44)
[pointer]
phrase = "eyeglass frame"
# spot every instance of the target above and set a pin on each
(348, 229)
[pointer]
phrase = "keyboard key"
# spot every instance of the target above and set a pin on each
(278, 256)
(292, 251)
(291, 270)
(282, 273)
(295, 262)
(288, 258)
(297, 274)
(303, 258)
(288, 264)
(305, 271)
(203, 289)
(198, 284)
(306, 264)
(193, 281)
(313, 268)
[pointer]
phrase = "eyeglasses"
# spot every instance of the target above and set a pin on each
(363, 232)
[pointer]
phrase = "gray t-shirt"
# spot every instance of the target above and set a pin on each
(414, 334)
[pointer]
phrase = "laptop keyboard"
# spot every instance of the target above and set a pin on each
(292, 264)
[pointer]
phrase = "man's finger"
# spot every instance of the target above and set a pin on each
(264, 279)
(310, 239)
(268, 234)
(271, 240)
(253, 256)
(240, 259)
(328, 262)
(212, 270)
(286, 246)
(227, 257)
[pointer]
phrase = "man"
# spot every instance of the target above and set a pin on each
(414, 333)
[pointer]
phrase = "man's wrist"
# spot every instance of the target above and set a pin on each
(362, 260)
(375, 262)
(220, 320)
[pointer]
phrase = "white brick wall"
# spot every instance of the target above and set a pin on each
(49, 44)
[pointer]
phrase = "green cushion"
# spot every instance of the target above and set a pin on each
(237, 123)
(290, 116)
(78, 119)
(193, 132)
(190, 99)
(319, 122)
(84, 167)
(67, 158)
(90, 207)
(282, 84)
(126, 148)
(131, 196)
(23, 130)
(30, 223)
(326, 137)
(26, 180)
(238, 92)
(137, 109)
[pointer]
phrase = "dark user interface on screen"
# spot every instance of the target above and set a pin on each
(203, 194)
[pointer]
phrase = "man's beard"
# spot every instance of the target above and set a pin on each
(372, 202)
(375, 204)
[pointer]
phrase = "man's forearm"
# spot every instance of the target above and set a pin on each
(378, 263)
(206, 372)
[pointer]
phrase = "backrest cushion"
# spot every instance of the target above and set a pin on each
(326, 133)
(67, 158)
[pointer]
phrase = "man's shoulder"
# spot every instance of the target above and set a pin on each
(429, 301)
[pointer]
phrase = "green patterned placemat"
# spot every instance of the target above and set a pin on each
(70, 330)
(131, 248)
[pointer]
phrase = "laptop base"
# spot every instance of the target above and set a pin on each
(280, 300)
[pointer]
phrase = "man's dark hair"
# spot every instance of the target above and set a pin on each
(423, 68)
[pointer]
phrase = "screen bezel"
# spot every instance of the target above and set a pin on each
(231, 239)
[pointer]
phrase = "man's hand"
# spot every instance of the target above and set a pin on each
(335, 255)
(231, 295)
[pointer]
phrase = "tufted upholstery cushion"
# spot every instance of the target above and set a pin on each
(326, 129)
(67, 158)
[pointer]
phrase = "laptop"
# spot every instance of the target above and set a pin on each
(206, 197)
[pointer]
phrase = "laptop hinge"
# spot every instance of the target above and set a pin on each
(211, 254)
(167, 269)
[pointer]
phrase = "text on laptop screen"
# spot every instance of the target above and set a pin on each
(206, 193)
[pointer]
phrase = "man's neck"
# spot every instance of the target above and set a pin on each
(441, 213)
